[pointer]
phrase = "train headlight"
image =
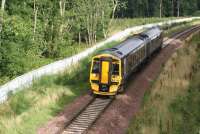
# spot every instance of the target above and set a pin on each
(113, 88)
(95, 75)
(115, 78)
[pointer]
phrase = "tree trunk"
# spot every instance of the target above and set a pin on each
(147, 8)
(172, 7)
(62, 8)
(160, 8)
(88, 29)
(35, 19)
(62, 12)
(1, 14)
(178, 8)
(79, 38)
(102, 19)
(3, 5)
(115, 4)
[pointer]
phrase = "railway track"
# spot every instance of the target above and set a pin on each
(88, 115)
(181, 35)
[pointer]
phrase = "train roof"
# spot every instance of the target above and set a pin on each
(125, 47)
(152, 33)
(134, 42)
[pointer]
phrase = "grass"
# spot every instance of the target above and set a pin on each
(176, 28)
(27, 110)
(31, 108)
(121, 24)
(165, 111)
(186, 109)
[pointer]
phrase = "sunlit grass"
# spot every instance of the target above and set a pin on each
(156, 117)
(121, 24)
(29, 109)
(181, 27)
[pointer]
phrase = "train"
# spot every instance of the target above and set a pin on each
(111, 68)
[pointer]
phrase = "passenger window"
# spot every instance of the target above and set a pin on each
(115, 69)
(96, 67)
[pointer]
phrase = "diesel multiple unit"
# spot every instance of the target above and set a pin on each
(111, 68)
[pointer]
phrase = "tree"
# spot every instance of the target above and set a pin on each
(178, 8)
(35, 19)
(3, 5)
(93, 18)
(161, 6)
(172, 7)
(1, 13)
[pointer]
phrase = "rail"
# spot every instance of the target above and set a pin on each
(27, 79)
(90, 113)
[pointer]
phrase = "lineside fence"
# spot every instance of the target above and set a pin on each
(27, 79)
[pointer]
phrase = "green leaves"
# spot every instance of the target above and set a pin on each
(46, 30)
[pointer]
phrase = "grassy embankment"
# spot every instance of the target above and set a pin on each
(172, 105)
(179, 28)
(25, 111)
(31, 61)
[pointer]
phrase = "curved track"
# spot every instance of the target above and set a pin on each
(89, 114)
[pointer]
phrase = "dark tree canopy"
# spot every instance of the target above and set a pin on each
(151, 8)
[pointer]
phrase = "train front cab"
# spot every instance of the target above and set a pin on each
(105, 74)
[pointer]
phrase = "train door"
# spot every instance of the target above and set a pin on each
(105, 68)
(105, 75)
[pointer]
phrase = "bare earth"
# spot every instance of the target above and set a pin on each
(115, 119)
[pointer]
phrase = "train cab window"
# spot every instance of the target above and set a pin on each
(115, 69)
(96, 67)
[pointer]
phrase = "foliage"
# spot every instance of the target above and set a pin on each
(169, 102)
(149, 8)
(186, 108)
(47, 30)
(196, 13)
(36, 32)
(45, 99)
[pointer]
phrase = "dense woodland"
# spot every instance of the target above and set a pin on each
(46, 29)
